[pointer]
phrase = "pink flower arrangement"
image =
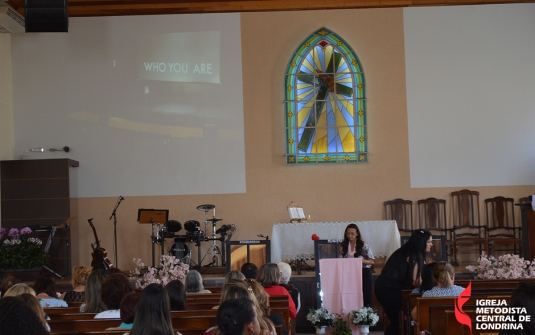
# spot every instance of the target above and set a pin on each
(170, 269)
(504, 267)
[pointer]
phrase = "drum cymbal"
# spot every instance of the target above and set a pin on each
(214, 220)
(205, 207)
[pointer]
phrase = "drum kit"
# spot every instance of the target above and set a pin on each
(194, 234)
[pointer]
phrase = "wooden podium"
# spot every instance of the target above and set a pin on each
(528, 230)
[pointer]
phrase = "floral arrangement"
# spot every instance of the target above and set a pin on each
(504, 267)
(17, 251)
(320, 317)
(170, 269)
(340, 326)
(364, 316)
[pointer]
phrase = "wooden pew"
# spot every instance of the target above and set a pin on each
(61, 310)
(432, 314)
(186, 322)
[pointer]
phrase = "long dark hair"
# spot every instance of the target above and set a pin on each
(234, 314)
(415, 247)
(359, 244)
(177, 295)
(17, 318)
(153, 313)
(524, 296)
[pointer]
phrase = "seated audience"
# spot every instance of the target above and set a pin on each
(16, 318)
(427, 279)
(31, 301)
(128, 310)
(153, 313)
(238, 317)
(523, 297)
(177, 295)
(249, 270)
(269, 277)
(265, 311)
(194, 283)
(234, 274)
(444, 276)
(78, 281)
(92, 302)
(286, 274)
(112, 291)
(45, 290)
(19, 289)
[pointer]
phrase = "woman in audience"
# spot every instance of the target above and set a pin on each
(31, 301)
(263, 302)
(427, 279)
(286, 274)
(92, 302)
(237, 317)
(354, 247)
(401, 271)
(194, 283)
(234, 274)
(523, 297)
(45, 290)
(269, 277)
(128, 310)
(112, 291)
(79, 278)
(153, 314)
(19, 289)
(17, 318)
(444, 276)
(177, 295)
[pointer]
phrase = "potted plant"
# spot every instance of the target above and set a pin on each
(170, 269)
(20, 252)
(364, 318)
(320, 318)
(340, 326)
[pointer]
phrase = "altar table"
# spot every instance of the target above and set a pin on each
(292, 241)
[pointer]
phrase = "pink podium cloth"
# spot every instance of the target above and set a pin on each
(341, 284)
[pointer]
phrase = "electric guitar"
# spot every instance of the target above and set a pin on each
(99, 254)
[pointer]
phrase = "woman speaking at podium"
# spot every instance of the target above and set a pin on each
(402, 271)
(354, 247)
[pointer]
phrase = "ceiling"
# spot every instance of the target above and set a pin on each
(78, 8)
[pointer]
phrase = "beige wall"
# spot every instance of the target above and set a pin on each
(327, 193)
(6, 99)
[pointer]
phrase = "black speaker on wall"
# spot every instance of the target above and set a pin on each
(46, 16)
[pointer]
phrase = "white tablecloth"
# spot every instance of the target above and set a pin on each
(291, 241)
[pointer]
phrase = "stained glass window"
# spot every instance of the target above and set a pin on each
(325, 102)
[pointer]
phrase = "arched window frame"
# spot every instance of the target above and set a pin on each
(293, 101)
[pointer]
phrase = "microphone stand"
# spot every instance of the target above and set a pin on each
(114, 216)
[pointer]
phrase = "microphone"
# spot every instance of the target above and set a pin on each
(121, 197)
(355, 255)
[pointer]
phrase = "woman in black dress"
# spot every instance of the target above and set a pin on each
(401, 271)
(354, 247)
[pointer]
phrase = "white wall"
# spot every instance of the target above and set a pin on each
(470, 95)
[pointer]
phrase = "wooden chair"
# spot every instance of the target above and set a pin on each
(401, 211)
(466, 227)
(432, 216)
(501, 224)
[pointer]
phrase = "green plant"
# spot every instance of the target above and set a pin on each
(20, 252)
(340, 326)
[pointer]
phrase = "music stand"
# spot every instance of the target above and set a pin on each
(153, 216)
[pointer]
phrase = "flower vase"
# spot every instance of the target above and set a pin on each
(364, 329)
(320, 330)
